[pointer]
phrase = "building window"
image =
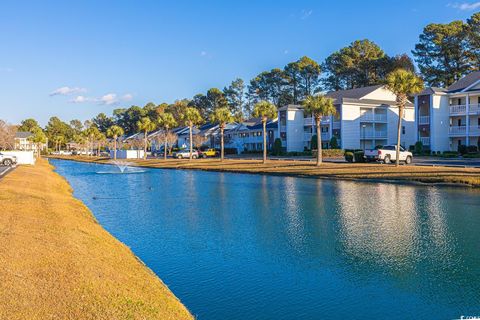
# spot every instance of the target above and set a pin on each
(259, 146)
(459, 122)
(403, 129)
(459, 101)
(479, 122)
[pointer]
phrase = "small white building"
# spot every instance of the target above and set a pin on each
(366, 117)
(449, 117)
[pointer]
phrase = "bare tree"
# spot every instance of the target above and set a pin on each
(199, 140)
(7, 135)
(170, 137)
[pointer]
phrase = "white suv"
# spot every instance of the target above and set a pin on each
(7, 160)
(185, 153)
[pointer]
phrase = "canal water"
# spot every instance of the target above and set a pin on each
(238, 246)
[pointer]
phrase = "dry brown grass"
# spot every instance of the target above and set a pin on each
(359, 171)
(57, 262)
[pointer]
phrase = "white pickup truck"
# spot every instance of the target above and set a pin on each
(388, 154)
(7, 160)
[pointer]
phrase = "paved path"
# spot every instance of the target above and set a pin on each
(4, 170)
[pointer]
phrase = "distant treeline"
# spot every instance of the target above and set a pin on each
(444, 54)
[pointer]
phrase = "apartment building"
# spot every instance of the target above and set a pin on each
(449, 117)
(365, 117)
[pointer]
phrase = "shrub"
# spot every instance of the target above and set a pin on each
(277, 147)
(349, 156)
(333, 143)
(418, 147)
(332, 153)
(462, 149)
(472, 149)
(313, 142)
(359, 156)
(472, 155)
(411, 148)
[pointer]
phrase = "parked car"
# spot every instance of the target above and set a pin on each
(7, 160)
(209, 153)
(387, 154)
(185, 153)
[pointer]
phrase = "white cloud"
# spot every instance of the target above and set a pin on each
(306, 14)
(65, 91)
(108, 99)
(285, 51)
(465, 6)
(203, 53)
(80, 99)
(127, 97)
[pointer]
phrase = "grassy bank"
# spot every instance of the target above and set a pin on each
(348, 171)
(57, 262)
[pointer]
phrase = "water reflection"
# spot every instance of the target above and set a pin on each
(289, 248)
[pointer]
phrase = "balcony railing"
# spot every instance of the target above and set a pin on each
(336, 124)
(458, 109)
(283, 128)
(374, 135)
(424, 120)
(457, 130)
(474, 130)
(310, 121)
(308, 136)
(425, 141)
(370, 117)
(474, 109)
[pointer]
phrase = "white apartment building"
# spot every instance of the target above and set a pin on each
(447, 118)
(365, 117)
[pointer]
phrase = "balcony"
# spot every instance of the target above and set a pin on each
(474, 109)
(457, 131)
(424, 120)
(474, 131)
(425, 141)
(283, 128)
(310, 121)
(324, 135)
(371, 117)
(370, 134)
(336, 124)
(459, 109)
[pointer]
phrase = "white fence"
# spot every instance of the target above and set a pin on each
(127, 154)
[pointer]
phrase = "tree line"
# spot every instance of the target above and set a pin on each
(444, 54)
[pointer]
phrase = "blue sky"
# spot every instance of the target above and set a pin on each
(108, 54)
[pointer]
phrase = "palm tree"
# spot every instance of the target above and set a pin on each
(319, 106)
(191, 117)
(92, 133)
(166, 121)
(222, 116)
(403, 83)
(115, 132)
(146, 125)
(264, 110)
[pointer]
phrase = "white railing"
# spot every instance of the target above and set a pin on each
(370, 117)
(307, 136)
(283, 128)
(457, 130)
(374, 134)
(325, 136)
(458, 109)
(425, 141)
(310, 121)
(423, 119)
(474, 109)
(474, 130)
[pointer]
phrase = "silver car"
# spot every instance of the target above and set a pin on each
(185, 153)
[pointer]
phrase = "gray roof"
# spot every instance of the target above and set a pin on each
(431, 90)
(23, 135)
(356, 93)
(466, 81)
